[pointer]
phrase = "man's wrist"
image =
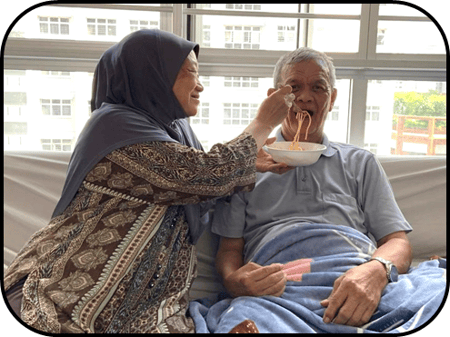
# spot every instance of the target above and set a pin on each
(390, 268)
(379, 268)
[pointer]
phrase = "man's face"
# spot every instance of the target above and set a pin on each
(312, 89)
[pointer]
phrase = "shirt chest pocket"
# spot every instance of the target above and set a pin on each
(342, 209)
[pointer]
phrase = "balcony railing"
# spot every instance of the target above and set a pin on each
(431, 136)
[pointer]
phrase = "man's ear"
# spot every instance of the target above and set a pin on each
(333, 98)
(271, 91)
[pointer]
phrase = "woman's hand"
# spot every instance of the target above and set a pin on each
(255, 280)
(273, 110)
(265, 162)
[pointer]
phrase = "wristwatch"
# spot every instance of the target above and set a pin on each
(391, 269)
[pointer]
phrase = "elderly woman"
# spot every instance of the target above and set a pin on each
(118, 254)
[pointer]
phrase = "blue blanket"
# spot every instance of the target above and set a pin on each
(331, 251)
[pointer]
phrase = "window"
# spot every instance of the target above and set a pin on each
(77, 22)
(46, 117)
(238, 82)
(55, 26)
(242, 37)
(202, 116)
(206, 41)
(286, 34)
(206, 144)
(372, 147)
(373, 113)
(101, 27)
(410, 115)
(333, 115)
(383, 54)
(229, 109)
(205, 80)
(234, 116)
(415, 36)
(143, 24)
(56, 144)
(14, 128)
(336, 125)
(239, 113)
(283, 32)
(56, 107)
(326, 35)
(15, 98)
(409, 38)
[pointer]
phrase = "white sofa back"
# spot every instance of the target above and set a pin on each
(33, 182)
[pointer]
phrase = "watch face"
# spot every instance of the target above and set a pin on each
(394, 274)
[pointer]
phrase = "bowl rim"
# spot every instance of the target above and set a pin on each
(320, 149)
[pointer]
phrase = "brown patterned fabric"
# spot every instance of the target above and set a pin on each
(118, 260)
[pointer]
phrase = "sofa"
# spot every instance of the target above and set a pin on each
(33, 182)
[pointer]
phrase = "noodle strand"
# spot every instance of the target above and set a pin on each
(300, 117)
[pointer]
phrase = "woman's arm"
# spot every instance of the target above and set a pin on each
(272, 111)
(175, 174)
(170, 173)
(248, 279)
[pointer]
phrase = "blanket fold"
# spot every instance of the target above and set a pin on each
(314, 256)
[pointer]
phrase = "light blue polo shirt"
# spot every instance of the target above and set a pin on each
(346, 186)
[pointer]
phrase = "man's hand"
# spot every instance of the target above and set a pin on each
(356, 295)
(255, 280)
(265, 162)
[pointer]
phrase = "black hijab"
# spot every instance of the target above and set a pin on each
(134, 102)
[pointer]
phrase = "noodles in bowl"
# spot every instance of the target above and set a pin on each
(309, 154)
(296, 153)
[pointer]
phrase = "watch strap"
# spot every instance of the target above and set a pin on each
(388, 265)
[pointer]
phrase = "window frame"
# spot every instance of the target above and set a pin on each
(359, 67)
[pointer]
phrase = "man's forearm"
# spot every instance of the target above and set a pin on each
(397, 249)
(248, 279)
(228, 262)
(229, 257)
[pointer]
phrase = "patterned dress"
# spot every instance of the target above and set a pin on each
(119, 260)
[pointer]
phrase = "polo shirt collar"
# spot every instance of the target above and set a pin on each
(330, 150)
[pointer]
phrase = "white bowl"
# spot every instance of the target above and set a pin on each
(281, 154)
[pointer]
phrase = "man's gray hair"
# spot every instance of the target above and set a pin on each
(304, 54)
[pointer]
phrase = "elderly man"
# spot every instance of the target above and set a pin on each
(346, 187)
(318, 248)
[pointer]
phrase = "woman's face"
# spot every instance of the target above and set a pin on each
(187, 86)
